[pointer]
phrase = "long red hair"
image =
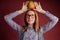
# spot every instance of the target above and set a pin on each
(35, 25)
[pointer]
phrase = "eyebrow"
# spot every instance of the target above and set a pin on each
(30, 14)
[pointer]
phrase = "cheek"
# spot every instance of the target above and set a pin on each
(27, 19)
(30, 20)
(33, 19)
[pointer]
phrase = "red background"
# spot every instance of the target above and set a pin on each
(8, 6)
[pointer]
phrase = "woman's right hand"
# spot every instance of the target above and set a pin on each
(24, 7)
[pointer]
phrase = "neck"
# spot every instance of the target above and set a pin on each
(30, 25)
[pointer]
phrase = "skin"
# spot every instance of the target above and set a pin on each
(25, 8)
(30, 18)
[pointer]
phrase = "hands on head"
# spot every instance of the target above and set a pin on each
(37, 7)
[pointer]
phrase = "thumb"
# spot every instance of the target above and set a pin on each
(35, 9)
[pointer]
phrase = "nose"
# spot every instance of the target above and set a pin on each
(29, 17)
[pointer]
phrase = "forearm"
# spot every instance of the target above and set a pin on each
(50, 24)
(49, 15)
(53, 18)
(8, 18)
(13, 14)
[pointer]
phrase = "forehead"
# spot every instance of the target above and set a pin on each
(30, 12)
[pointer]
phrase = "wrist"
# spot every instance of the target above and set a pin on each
(21, 11)
(42, 11)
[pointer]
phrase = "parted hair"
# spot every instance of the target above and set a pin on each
(35, 24)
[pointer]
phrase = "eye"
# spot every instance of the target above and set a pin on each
(30, 15)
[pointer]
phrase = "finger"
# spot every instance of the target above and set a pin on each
(34, 9)
(23, 3)
(36, 4)
(39, 4)
(27, 3)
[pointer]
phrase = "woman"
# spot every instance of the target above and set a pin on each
(31, 29)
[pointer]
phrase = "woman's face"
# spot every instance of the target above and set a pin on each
(30, 17)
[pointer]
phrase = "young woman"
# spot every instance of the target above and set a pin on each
(31, 30)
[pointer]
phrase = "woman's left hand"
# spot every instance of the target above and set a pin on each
(39, 8)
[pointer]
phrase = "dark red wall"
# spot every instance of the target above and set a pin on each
(8, 6)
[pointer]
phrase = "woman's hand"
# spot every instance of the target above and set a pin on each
(39, 8)
(24, 7)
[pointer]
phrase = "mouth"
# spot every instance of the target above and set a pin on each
(29, 20)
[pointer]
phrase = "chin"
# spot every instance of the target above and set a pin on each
(30, 23)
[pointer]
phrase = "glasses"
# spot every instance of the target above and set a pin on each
(30, 15)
